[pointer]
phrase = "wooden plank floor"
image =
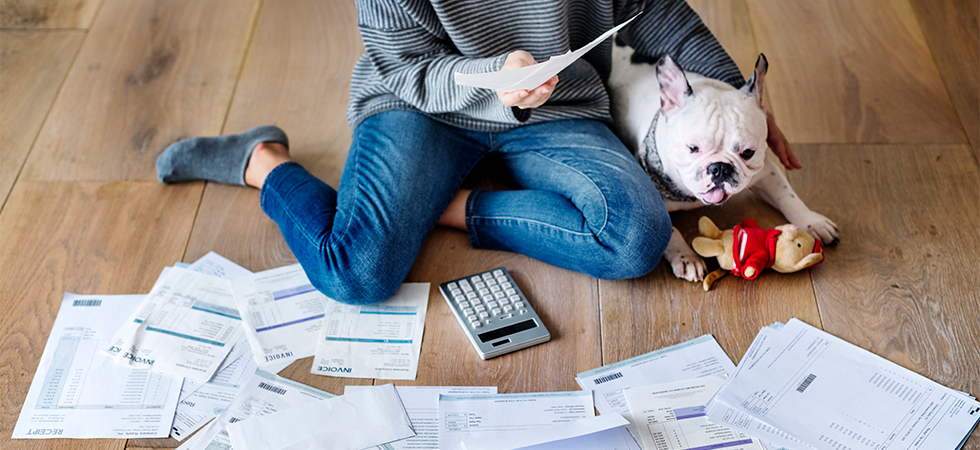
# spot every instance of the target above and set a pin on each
(879, 98)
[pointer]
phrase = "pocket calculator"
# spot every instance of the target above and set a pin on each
(494, 313)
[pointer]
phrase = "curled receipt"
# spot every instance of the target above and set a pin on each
(530, 77)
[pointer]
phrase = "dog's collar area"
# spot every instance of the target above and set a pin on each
(655, 168)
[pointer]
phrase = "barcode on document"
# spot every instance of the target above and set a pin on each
(809, 379)
(271, 388)
(86, 303)
(609, 377)
(234, 419)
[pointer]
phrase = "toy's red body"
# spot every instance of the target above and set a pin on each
(754, 248)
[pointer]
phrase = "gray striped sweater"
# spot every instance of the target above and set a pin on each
(413, 47)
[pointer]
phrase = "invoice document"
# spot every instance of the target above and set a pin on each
(593, 433)
(218, 266)
(282, 313)
(356, 420)
(831, 394)
(475, 419)
(383, 340)
(186, 326)
(670, 416)
(78, 392)
(422, 405)
(530, 77)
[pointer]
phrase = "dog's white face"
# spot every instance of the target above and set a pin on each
(716, 135)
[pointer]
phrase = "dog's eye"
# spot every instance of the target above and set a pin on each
(693, 148)
(748, 154)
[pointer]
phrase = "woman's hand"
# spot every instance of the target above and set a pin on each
(779, 145)
(523, 98)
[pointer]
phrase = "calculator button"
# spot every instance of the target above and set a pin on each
(508, 308)
(476, 278)
(522, 311)
(510, 292)
(499, 295)
(491, 282)
(494, 288)
(514, 298)
(471, 317)
(480, 308)
(459, 298)
(484, 291)
(467, 288)
(518, 304)
(464, 305)
(506, 285)
(471, 294)
(480, 285)
(468, 311)
(496, 311)
(504, 301)
(487, 298)
(452, 285)
(492, 304)
(498, 273)
(508, 316)
(456, 292)
(476, 324)
(484, 315)
(487, 276)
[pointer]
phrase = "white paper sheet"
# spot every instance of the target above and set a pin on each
(422, 405)
(281, 312)
(476, 419)
(360, 419)
(218, 266)
(186, 326)
(831, 394)
(264, 393)
(570, 434)
(383, 340)
(78, 392)
(530, 77)
(691, 359)
(671, 416)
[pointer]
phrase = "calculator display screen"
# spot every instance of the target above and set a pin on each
(508, 330)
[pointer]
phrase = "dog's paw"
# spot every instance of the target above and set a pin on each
(687, 265)
(821, 228)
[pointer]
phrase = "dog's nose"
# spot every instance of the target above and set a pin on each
(720, 171)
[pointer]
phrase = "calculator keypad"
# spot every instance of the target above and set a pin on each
(486, 296)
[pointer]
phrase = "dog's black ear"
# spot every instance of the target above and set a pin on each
(674, 88)
(754, 87)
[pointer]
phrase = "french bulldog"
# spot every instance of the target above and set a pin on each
(701, 141)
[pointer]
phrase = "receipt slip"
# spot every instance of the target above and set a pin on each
(186, 326)
(359, 419)
(78, 392)
(374, 341)
(530, 77)
(282, 313)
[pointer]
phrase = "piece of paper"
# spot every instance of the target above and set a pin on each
(611, 439)
(671, 416)
(218, 266)
(830, 394)
(477, 419)
(281, 312)
(264, 393)
(530, 77)
(422, 405)
(383, 340)
(360, 419)
(691, 359)
(78, 392)
(567, 432)
(186, 326)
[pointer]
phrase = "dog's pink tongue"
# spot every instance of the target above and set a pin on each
(715, 195)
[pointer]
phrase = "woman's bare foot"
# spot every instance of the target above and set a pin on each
(265, 157)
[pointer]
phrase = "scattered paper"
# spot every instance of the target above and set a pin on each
(186, 326)
(530, 77)
(422, 405)
(281, 312)
(671, 415)
(473, 420)
(383, 340)
(569, 434)
(829, 394)
(78, 392)
(360, 419)
(218, 266)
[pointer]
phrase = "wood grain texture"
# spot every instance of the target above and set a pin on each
(902, 283)
(32, 67)
(86, 238)
(659, 310)
(852, 72)
(296, 76)
(566, 302)
(731, 24)
(38, 14)
(11, 397)
(951, 30)
(148, 74)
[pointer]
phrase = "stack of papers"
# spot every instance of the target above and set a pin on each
(801, 388)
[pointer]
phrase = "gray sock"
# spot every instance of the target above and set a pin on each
(222, 159)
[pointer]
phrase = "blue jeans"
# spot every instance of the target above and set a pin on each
(584, 203)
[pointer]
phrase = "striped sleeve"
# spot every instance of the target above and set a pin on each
(671, 27)
(409, 51)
